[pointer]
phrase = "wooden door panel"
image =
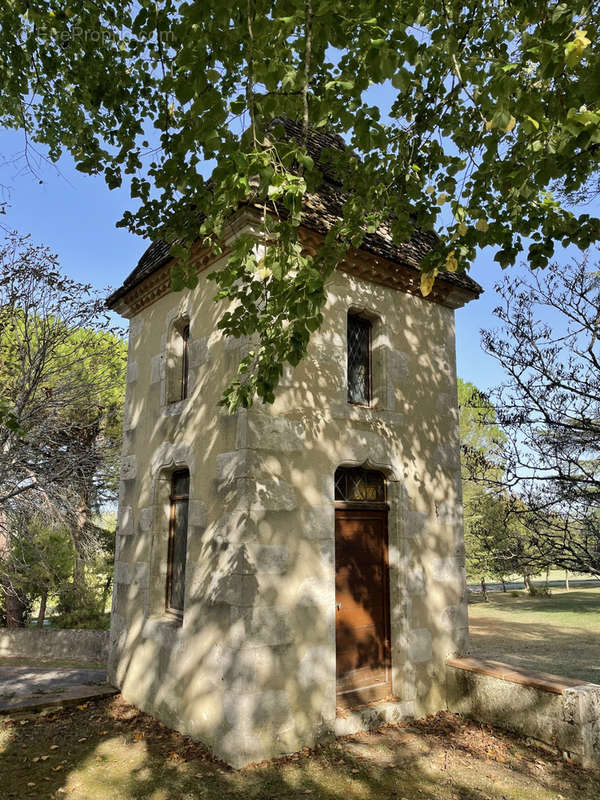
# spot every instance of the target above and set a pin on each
(364, 642)
(367, 652)
(362, 606)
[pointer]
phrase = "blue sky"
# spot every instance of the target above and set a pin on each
(75, 215)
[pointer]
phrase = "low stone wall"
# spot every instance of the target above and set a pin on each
(561, 712)
(59, 644)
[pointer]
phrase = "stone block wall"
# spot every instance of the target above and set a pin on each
(251, 670)
(55, 644)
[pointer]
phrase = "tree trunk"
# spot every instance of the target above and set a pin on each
(567, 580)
(78, 538)
(14, 607)
(547, 578)
(529, 585)
(105, 592)
(484, 591)
(42, 612)
(503, 584)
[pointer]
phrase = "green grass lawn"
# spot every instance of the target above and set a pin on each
(559, 633)
(110, 751)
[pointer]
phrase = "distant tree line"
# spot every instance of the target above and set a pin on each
(531, 447)
(62, 378)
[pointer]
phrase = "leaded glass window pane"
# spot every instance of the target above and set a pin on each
(359, 360)
(178, 528)
(355, 484)
(185, 362)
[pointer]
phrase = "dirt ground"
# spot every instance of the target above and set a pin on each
(107, 750)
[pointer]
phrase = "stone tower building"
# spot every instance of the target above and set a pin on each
(283, 562)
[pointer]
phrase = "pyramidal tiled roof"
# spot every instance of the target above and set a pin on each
(321, 209)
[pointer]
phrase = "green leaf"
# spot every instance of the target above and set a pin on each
(401, 79)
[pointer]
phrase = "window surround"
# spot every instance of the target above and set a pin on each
(358, 329)
(381, 394)
(164, 467)
(178, 361)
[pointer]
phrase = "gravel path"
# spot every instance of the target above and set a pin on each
(39, 680)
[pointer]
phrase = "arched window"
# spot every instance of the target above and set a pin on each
(359, 485)
(185, 360)
(177, 549)
(178, 361)
(359, 360)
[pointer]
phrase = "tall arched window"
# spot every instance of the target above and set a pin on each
(178, 361)
(359, 360)
(177, 550)
(185, 360)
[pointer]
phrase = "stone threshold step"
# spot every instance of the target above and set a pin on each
(373, 716)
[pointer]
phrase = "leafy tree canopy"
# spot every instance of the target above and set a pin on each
(62, 386)
(498, 541)
(493, 103)
(481, 438)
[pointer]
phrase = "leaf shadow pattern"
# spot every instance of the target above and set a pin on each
(107, 749)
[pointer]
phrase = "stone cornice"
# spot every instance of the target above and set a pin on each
(369, 267)
(158, 284)
(358, 262)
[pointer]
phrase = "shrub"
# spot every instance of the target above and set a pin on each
(79, 606)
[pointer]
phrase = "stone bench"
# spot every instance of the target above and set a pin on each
(561, 712)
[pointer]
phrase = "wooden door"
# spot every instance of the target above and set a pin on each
(362, 597)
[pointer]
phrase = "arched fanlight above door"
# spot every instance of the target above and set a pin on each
(359, 485)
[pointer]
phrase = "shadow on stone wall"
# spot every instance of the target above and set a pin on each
(252, 669)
